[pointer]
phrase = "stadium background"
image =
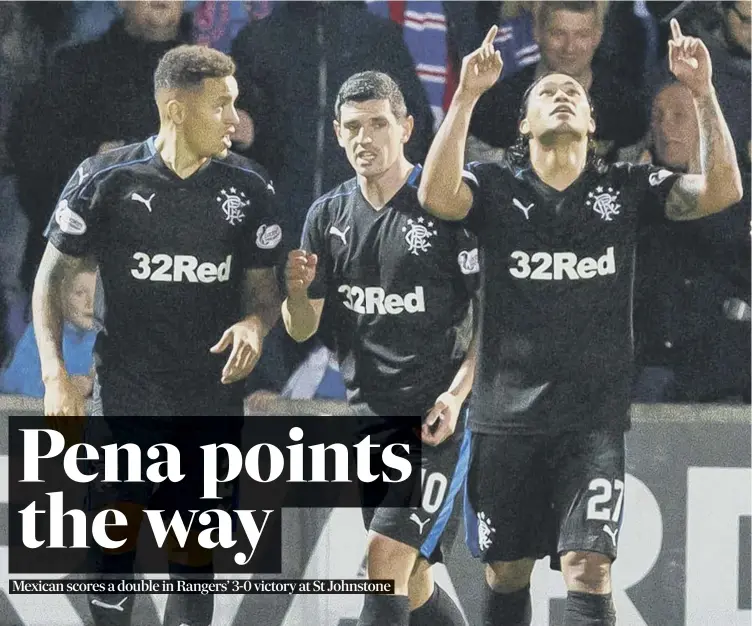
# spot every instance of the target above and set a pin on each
(685, 555)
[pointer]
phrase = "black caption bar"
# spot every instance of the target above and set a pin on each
(219, 586)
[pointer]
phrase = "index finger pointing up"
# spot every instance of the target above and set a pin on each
(491, 35)
(675, 29)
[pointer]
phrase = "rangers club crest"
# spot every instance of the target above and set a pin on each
(418, 234)
(604, 203)
(232, 205)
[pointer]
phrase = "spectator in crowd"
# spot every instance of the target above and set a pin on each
(96, 96)
(673, 137)
(516, 37)
(24, 373)
(290, 66)
(673, 142)
(568, 34)
(90, 20)
(216, 23)
(22, 49)
(730, 47)
(424, 30)
(692, 313)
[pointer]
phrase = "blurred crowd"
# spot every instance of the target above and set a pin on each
(77, 80)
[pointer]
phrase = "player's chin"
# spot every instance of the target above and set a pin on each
(567, 129)
(368, 170)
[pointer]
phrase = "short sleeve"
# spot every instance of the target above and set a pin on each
(74, 225)
(657, 183)
(467, 259)
(263, 234)
(472, 176)
(313, 241)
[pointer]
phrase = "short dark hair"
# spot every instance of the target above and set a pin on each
(185, 67)
(546, 9)
(371, 85)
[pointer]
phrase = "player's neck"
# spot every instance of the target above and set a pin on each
(559, 164)
(176, 155)
(379, 191)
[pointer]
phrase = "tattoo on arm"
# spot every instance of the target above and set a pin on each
(683, 202)
(261, 296)
(719, 185)
(715, 144)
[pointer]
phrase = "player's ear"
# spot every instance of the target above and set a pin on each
(524, 127)
(407, 128)
(337, 129)
(591, 126)
(176, 111)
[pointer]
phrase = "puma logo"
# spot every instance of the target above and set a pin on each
(414, 517)
(611, 533)
(139, 198)
(522, 207)
(106, 605)
(339, 233)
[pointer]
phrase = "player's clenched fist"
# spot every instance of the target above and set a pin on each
(300, 272)
(481, 68)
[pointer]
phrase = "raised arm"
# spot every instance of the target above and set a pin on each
(62, 397)
(720, 184)
(442, 191)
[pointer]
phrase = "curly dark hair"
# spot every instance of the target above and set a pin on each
(371, 85)
(185, 67)
(518, 154)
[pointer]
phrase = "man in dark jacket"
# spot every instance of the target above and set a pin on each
(290, 67)
(96, 96)
(569, 34)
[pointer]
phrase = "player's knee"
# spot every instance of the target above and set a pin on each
(511, 576)
(421, 570)
(129, 532)
(586, 572)
(391, 559)
(420, 585)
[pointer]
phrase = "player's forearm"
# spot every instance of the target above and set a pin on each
(300, 318)
(261, 299)
(264, 314)
(463, 380)
(723, 180)
(47, 316)
(441, 179)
